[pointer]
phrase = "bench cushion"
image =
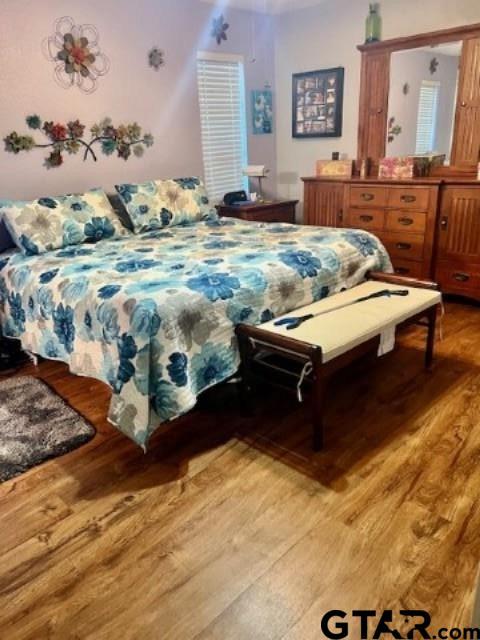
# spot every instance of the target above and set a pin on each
(344, 329)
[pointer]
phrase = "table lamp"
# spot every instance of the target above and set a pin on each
(260, 172)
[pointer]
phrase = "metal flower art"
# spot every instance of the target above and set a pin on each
(434, 65)
(156, 58)
(69, 138)
(75, 51)
(219, 29)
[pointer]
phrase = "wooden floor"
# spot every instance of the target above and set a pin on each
(218, 533)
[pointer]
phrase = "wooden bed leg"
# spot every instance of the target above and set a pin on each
(318, 402)
(432, 325)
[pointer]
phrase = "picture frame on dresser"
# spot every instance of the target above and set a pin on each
(317, 103)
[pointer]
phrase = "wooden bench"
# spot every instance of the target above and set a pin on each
(322, 345)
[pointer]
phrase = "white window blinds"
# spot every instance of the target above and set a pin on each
(427, 117)
(221, 88)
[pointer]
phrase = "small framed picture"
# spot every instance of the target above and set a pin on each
(318, 104)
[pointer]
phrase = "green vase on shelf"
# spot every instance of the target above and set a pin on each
(373, 25)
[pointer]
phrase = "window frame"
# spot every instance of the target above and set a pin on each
(209, 56)
(432, 84)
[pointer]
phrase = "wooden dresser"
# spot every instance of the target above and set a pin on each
(430, 227)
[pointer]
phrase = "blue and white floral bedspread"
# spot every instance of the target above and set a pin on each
(153, 315)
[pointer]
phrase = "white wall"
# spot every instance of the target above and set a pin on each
(164, 102)
(327, 36)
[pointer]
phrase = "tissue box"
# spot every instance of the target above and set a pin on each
(334, 168)
(399, 167)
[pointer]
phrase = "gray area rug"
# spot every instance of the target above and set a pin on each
(35, 425)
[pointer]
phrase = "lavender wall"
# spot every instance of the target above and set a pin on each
(163, 102)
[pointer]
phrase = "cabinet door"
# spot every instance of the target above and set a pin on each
(375, 85)
(460, 225)
(466, 142)
(323, 204)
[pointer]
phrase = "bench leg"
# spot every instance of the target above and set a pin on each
(318, 402)
(432, 326)
(245, 384)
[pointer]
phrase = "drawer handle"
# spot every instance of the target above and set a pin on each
(368, 197)
(402, 271)
(444, 223)
(461, 277)
(406, 221)
(408, 199)
(366, 218)
(404, 246)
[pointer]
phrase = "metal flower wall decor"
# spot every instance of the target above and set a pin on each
(69, 138)
(156, 58)
(75, 51)
(219, 29)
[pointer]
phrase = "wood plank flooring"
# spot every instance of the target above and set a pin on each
(230, 528)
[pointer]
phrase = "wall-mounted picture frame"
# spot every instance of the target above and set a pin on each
(318, 103)
(262, 112)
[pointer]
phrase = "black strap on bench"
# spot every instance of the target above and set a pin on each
(295, 322)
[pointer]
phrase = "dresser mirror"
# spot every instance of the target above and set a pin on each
(421, 95)
(422, 100)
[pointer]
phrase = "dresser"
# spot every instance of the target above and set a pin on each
(430, 226)
(273, 211)
(401, 213)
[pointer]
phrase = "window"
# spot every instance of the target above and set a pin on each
(221, 87)
(427, 117)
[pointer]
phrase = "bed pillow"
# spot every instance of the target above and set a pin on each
(47, 224)
(166, 203)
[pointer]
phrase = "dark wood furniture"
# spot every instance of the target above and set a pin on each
(274, 211)
(374, 95)
(430, 226)
(265, 354)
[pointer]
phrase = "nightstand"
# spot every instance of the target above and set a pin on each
(273, 211)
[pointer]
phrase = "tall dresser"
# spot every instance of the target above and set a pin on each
(430, 227)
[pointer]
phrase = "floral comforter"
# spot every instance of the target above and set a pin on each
(153, 315)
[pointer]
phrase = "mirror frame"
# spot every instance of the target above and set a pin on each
(375, 88)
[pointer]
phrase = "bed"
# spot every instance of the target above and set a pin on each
(153, 315)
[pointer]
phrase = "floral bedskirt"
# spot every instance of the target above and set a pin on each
(153, 315)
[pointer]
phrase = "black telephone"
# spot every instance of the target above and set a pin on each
(234, 197)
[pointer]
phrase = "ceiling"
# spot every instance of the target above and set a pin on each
(266, 6)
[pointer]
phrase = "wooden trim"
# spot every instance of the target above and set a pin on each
(380, 276)
(422, 39)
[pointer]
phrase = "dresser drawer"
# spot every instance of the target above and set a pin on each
(368, 196)
(411, 221)
(407, 268)
(405, 246)
(409, 198)
(369, 219)
(458, 278)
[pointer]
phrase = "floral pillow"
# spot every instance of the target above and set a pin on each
(53, 223)
(166, 203)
